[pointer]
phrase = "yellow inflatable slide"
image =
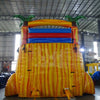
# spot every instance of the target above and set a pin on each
(52, 67)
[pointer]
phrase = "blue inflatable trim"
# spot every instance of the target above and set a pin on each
(49, 40)
(33, 30)
(96, 76)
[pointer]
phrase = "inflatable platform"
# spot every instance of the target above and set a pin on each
(49, 63)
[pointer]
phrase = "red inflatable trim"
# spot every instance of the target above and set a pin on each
(49, 35)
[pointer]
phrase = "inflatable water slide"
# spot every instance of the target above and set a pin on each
(49, 63)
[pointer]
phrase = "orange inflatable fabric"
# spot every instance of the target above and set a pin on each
(49, 22)
(49, 70)
(24, 35)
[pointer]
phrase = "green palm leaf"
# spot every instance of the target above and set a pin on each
(30, 17)
(23, 19)
(20, 17)
(74, 20)
(69, 18)
(79, 17)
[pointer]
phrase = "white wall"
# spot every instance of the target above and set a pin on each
(88, 44)
(99, 49)
(0, 66)
(7, 47)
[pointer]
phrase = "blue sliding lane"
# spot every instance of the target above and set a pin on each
(49, 40)
(61, 30)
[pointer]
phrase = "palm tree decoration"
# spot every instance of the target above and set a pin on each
(74, 20)
(24, 20)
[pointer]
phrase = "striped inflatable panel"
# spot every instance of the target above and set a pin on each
(49, 35)
(49, 40)
(33, 30)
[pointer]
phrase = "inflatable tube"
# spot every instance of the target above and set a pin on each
(49, 22)
(32, 30)
(49, 40)
(49, 35)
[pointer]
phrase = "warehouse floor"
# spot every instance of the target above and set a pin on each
(85, 97)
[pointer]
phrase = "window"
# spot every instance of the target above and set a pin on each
(95, 49)
(17, 45)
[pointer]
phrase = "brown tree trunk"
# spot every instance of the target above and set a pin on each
(25, 23)
(73, 23)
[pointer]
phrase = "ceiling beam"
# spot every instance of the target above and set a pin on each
(9, 33)
(10, 17)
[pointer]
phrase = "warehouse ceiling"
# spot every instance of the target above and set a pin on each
(49, 9)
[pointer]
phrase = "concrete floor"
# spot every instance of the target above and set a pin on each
(96, 96)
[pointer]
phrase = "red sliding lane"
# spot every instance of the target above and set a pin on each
(49, 35)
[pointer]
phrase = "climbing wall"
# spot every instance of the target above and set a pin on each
(49, 68)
